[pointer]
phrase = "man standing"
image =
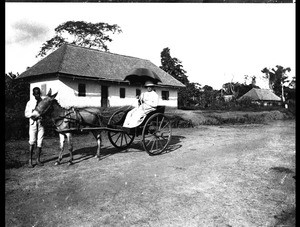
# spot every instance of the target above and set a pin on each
(36, 128)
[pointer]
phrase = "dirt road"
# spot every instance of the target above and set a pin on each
(235, 175)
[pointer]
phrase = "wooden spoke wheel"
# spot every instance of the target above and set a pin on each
(157, 133)
(119, 139)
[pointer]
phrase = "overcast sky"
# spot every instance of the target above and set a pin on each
(216, 43)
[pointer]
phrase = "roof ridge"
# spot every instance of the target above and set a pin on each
(105, 52)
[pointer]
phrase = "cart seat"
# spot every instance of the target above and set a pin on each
(160, 109)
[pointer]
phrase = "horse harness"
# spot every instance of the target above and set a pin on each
(74, 119)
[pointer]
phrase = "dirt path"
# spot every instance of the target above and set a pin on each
(238, 175)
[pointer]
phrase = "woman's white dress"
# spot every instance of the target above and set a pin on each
(136, 116)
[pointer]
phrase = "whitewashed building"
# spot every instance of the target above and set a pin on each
(87, 77)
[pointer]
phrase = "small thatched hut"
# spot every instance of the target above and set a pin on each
(261, 96)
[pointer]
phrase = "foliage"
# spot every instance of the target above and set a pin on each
(231, 89)
(16, 91)
(173, 66)
(277, 77)
(292, 84)
(290, 93)
(16, 97)
(189, 95)
(207, 88)
(192, 96)
(82, 34)
(207, 97)
(244, 88)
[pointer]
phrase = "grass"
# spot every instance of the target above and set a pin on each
(187, 118)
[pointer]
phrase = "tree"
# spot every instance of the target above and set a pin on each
(16, 96)
(277, 77)
(82, 34)
(208, 96)
(188, 95)
(244, 88)
(173, 66)
(16, 91)
(290, 92)
(207, 88)
(292, 84)
(245, 78)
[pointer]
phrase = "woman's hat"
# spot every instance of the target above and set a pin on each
(149, 84)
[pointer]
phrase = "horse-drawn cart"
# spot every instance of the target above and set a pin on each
(155, 131)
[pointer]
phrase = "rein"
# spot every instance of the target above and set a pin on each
(73, 119)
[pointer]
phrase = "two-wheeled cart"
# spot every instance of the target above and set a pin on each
(155, 130)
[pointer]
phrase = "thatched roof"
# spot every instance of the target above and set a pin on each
(90, 63)
(257, 94)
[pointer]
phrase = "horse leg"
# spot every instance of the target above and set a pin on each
(70, 147)
(98, 137)
(61, 146)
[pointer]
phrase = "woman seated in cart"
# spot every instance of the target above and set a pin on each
(148, 102)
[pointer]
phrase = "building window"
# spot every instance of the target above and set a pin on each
(137, 92)
(122, 92)
(43, 89)
(165, 95)
(81, 90)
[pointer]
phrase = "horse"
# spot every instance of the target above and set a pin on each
(66, 120)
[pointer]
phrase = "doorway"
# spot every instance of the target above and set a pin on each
(104, 96)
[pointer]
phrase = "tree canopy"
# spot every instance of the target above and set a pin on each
(188, 95)
(276, 77)
(173, 66)
(82, 34)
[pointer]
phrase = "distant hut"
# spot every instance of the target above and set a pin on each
(263, 97)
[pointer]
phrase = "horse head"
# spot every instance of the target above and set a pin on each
(44, 105)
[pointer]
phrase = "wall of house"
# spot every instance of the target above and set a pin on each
(173, 97)
(115, 100)
(70, 97)
(68, 93)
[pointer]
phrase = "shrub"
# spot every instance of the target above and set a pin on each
(16, 125)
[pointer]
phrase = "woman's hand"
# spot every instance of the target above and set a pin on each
(140, 100)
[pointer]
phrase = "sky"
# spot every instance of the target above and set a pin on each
(216, 42)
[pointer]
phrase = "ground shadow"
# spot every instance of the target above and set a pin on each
(86, 153)
(174, 144)
(281, 169)
(137, 146)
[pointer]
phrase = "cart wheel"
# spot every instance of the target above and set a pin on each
(121, 140)
(156, 134)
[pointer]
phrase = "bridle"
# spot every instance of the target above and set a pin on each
(41, 113)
